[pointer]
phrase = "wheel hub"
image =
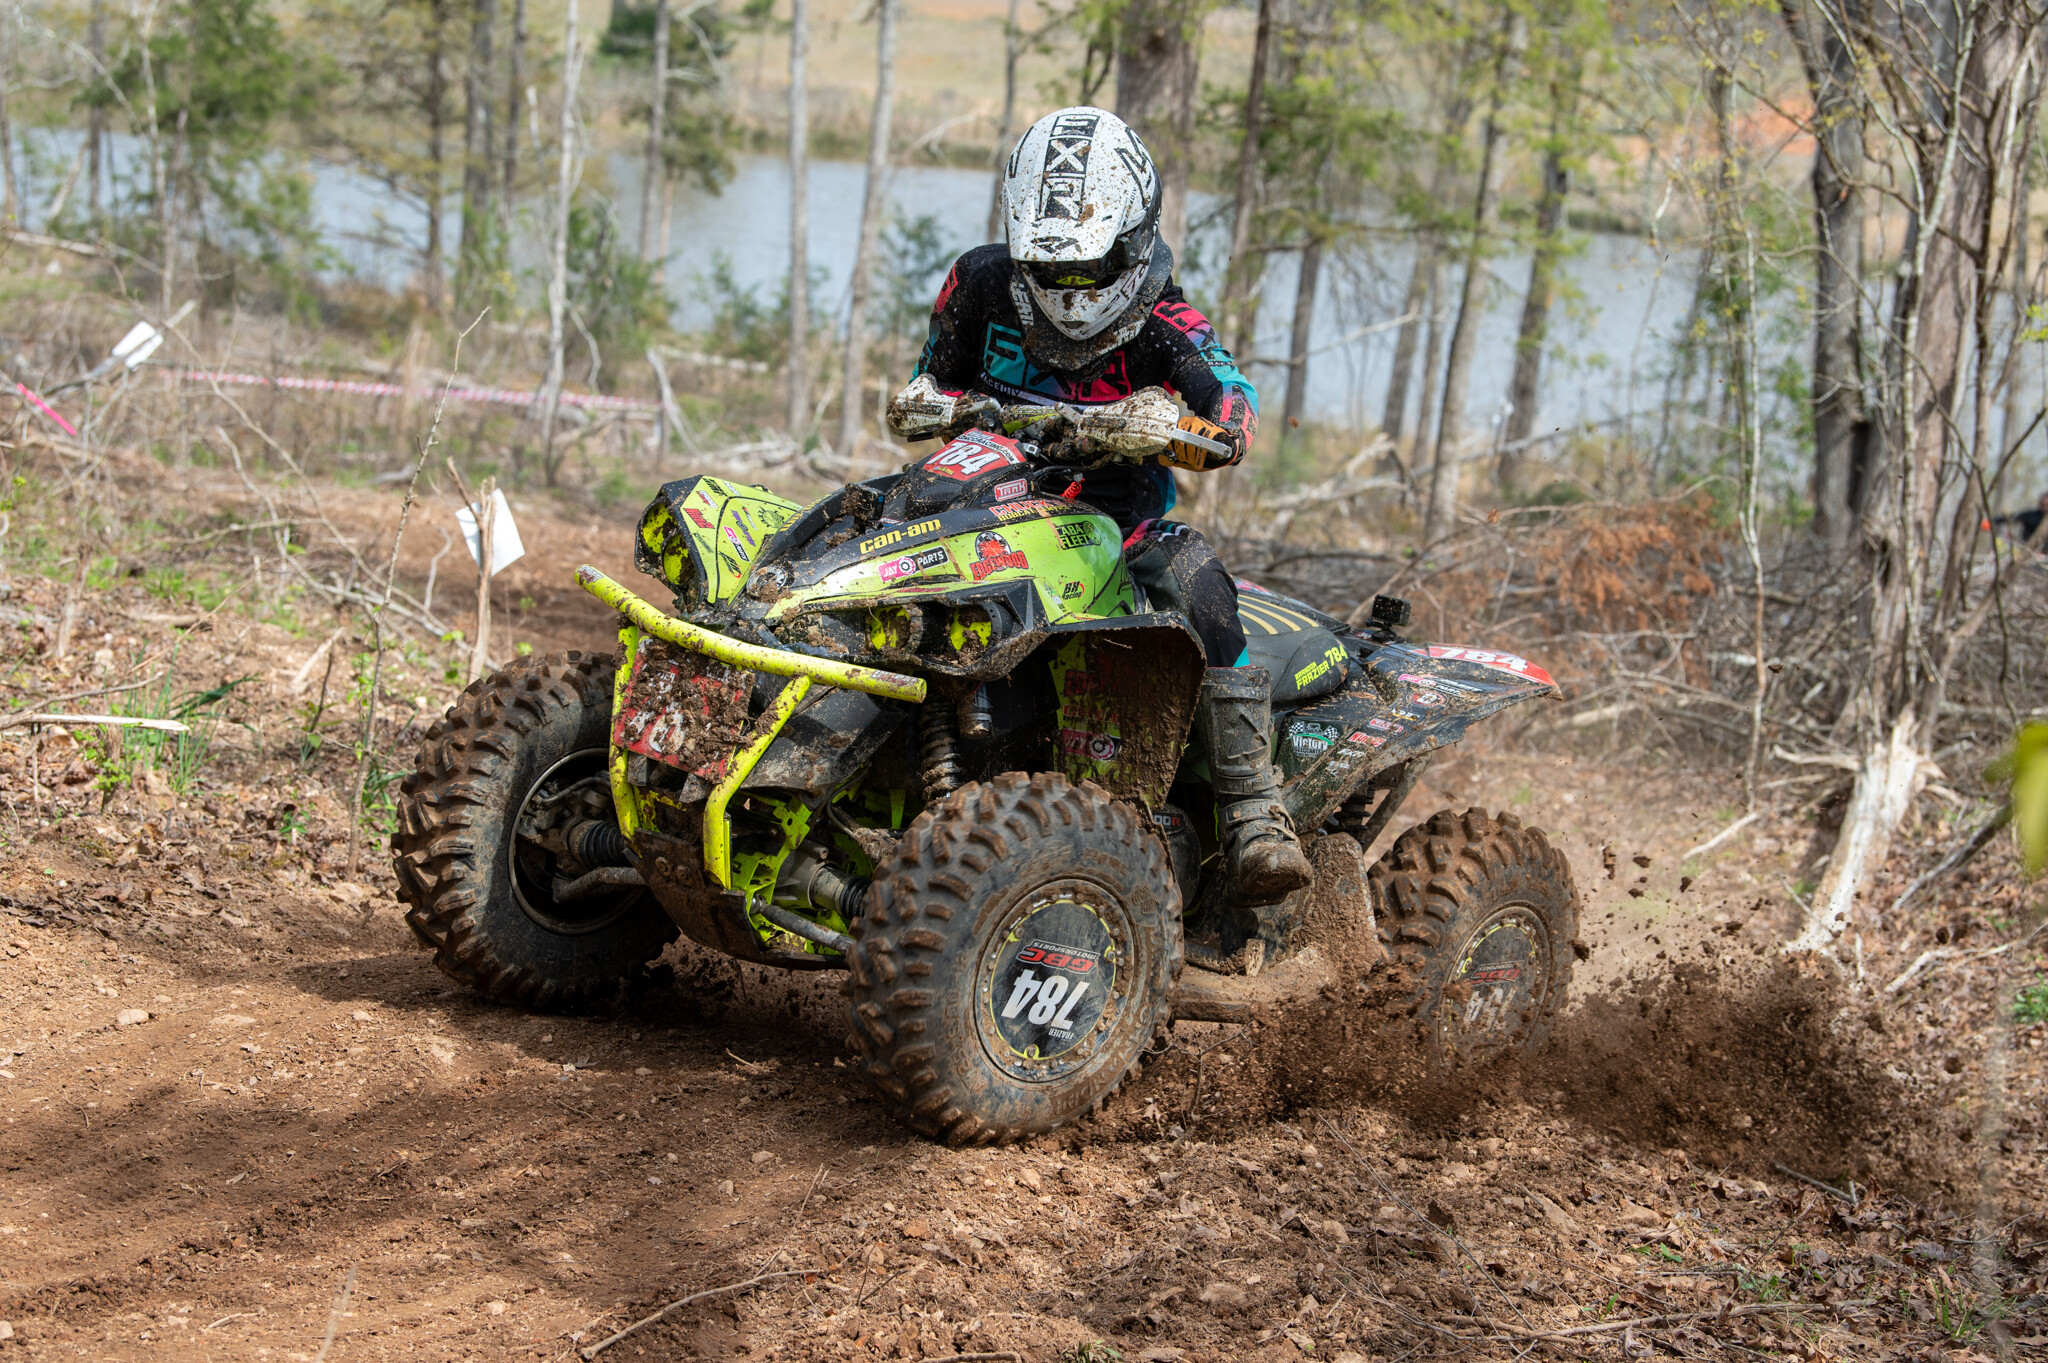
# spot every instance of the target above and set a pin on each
(1503, 973)
(534, 857)
(1048, 987)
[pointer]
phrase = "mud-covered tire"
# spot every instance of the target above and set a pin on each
(939, 991)
(452, 850)
(1479, 917)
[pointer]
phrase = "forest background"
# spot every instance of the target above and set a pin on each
(1776, 526)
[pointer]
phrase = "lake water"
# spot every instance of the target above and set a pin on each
(1621, 299)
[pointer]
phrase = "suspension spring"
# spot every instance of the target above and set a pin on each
(940, 767)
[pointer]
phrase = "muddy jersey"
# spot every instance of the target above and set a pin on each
(976, 344)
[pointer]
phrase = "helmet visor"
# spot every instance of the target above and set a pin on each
(1100, 273)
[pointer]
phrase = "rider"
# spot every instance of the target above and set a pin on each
(1080, 308)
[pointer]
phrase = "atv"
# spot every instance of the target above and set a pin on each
(929, 732)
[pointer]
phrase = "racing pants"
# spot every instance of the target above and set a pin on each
(1179, 571)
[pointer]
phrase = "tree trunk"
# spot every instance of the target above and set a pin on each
(1243, 270)
(558, 272)
(1524, 388)
(1841, 428)
(1432, 366)
(654, 175)
(11, 202)
(96, 125)
(1298, 343)
(431, 275)
(1920, 617)
(1422, 287)
(477, 147)
(799, 225)
(1004, 129)
(1421, 283)
(872, 204)
(1450, 428)
(1156, 68)
(515, 64)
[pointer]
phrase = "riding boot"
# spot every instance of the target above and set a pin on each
(1234, 723)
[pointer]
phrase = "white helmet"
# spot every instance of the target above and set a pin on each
(1081, 203)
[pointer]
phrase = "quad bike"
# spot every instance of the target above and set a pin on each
(930, 732)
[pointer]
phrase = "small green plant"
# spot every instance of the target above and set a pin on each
(1097, 1352)
(1763, 1287)
(2032, 1004)
(1659, 1251)
(290, 826)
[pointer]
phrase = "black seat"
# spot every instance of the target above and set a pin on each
(1299, 651)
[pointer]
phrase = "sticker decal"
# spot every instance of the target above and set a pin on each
(1486, 657)
(1384, 725)
(737, 547)
(1011, 511)
(1094, 747)
(697, 518)
(1048, 985)
(1010, 491)
(993, 554)
(1076, 534)
(889, 537)
(1310, 739)
(974, 453)
(911, 564)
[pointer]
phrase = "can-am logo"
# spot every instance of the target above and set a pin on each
(973, 454)
(1486, 657)
(913, 563)
(993, 554)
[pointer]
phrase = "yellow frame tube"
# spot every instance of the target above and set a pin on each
(717, 828)
(779, 662)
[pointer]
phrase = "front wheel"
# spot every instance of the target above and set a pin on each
(518, 752)
(1480, 916)
(1017, 957)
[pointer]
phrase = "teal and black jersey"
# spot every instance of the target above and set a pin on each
(976, 344)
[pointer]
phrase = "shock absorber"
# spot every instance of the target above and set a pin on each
(940, 766)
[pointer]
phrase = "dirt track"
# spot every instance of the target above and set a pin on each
(311, 1131)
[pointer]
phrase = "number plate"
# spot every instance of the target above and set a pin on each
(683, 709)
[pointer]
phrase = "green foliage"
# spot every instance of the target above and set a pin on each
(222, 78)
(2032, 1004)
(697, 127)
(616, 297)
(743, 326)
(123, 755)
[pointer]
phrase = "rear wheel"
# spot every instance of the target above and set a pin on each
(1017, 957)
(518, 753)
(1481, 916)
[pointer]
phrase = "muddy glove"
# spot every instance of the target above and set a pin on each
(1185, 454)
(1131, 429)
(923, 408)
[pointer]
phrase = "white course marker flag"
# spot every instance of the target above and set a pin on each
(506, 548)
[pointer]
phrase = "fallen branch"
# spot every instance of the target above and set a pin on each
(1957, 857)
(1730, 831)
(169, 726)
(1830, 1189)
(1936, 955)
(105, 690)
(594, 1350)
(348, 1285)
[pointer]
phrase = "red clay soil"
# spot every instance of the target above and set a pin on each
(244, 1118)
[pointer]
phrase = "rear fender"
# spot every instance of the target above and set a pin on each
(1411, 700)
(1126, 690)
